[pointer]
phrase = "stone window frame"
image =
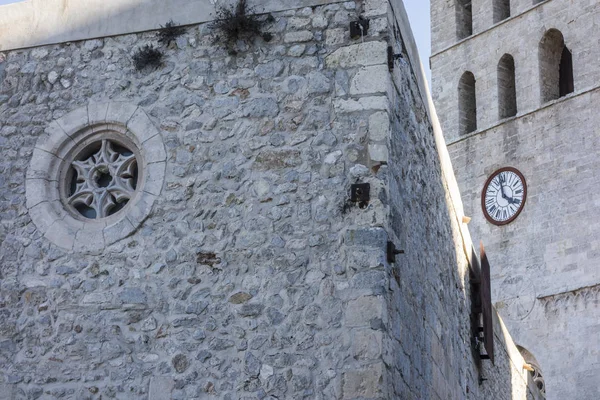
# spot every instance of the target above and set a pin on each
(555, 61)
(46, 169)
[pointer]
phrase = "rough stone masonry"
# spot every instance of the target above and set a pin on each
(245, 273)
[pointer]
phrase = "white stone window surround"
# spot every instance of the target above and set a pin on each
(51, 156)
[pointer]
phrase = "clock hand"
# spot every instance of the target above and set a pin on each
(501, 179)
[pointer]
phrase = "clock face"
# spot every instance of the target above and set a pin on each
(504, 196)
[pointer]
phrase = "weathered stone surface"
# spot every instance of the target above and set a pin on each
(240, 297)
(278, 159)
(370, 53)
(180, 363)
(245, 273)
(550, 248)
(363, 383)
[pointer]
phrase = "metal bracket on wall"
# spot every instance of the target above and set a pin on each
(360, 193)
(359, 28)
(392, 252)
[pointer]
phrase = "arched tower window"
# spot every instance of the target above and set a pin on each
(467, 104)
(501, 10)
(464, 18)
(534, 369)
(556, 66)
(507, 93)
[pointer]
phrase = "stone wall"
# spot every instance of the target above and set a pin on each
(429, 330)
(251, 275)
(544, 264)
(520, 37)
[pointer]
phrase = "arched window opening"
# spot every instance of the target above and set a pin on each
(507, 93)
(566, 73)
(501, 10)
(464, 18)
(534, 370)
(467, 104)
(556, 66)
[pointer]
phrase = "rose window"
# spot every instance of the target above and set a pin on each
(102, 179)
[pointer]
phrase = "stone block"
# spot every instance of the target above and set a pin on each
(120, 112)
(372, 103)
(335, 37)
(74, 121)
(361, 54)
(261, 107)
(43, 165)
(141, 125)
(367, 344)
(97, 112)
(43, 216)
(378, 152)
(160, 388)
(118, 231)
(61, 234)
(141, 209)
(155, 176)
(366, 383)
(153, 150)
(300, 36)
(373, 8)
(379, 126)
(370, 237)
(361, 311)
(39, 191)
(277, 159)
(6, 391)
(369, 80)
(91, 238)
(52, 139)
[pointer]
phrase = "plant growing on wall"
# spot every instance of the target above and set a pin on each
(170, 32)
(147, 56)
(239, 22)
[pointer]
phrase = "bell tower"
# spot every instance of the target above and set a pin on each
(516, 84)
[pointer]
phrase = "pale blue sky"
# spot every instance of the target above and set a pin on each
(418, 12)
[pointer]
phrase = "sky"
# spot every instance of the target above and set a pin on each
(418, 13)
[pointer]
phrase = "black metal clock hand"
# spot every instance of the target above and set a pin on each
(501, 179)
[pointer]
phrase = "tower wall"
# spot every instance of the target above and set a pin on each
(242, 270)
(544, 264)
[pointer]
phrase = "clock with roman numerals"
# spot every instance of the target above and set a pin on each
(503, 196)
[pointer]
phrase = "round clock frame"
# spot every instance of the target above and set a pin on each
(487, 183)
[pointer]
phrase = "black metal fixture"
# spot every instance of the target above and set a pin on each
(392, 252)
(359, 28)
(360, 193)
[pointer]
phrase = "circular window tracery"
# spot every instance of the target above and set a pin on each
(102, 179)
(94, 175)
